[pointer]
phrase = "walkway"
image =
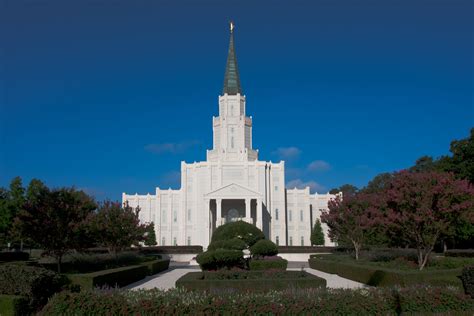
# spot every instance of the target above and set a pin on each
(167, 279)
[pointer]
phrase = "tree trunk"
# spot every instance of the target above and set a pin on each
(357, 249)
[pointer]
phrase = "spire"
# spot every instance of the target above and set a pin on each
(231, 78)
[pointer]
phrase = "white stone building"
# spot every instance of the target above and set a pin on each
(232, 184)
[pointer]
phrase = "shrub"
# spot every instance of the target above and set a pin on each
(320, 301)
(230, 244)
(469, 253)
(110, 278)
(14, 305)
(35, 284)
(467, 278)
(267, 264)
(264, 248)
(220, 258)
(242, 230)
(14, 256)
(156, 266)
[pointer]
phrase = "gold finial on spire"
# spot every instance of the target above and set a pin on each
(231, 24)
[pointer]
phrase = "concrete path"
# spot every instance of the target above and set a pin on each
(167, 279)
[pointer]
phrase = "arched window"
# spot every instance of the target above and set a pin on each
(276, 214)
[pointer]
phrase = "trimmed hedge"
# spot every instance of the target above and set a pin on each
(220, 258)
(263, 248)
(373, 301)
(250, 281)
(266, 264)
(306, 249)
(230, 244)
(249, 233)
(386, 277)
(467, 253)
(156, 266)
(110, 278)
(14, 256)
(13, 305)
(467, 278)
(33, 283)
(173, 250)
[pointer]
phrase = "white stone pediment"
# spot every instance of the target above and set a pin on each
(233, 191)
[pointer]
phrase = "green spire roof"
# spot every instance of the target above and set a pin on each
(231, 78)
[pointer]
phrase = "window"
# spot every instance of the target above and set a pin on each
(290, 213)
(189, 215)
(302, 241)
(189, 240)
(276, 214)
(163, 218)
(276, 187)
(175, 243)
(163, 241)
(301, 215)
(175, 216)
(232, 142)
(291, 241)
(277, 240)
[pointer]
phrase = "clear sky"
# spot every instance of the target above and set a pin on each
(110, 96)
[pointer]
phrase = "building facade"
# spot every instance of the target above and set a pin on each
(232, 184)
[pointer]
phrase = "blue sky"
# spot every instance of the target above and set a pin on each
(110, 96)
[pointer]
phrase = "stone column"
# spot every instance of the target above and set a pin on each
(259, 214)
(248, 214)
(207, 208)
(218, 212)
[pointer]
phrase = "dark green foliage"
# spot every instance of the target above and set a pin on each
(156, 266)
(14, 256)
(466, 253)
(305, 249)
(377, 276)
(11, 202)
(110, 278)
(242, 230)
(467, 278)
(249, 281)
(268, 264)
(14, 305)
(220, 258)
(171, 250)
(34, 283)
(150, 238)
(317, 235)
(264, 248)
(346, 189)
(230, 244)
(319, 301)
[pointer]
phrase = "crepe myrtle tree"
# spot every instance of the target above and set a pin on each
(117, 226)
(350, 219)
(422, 206)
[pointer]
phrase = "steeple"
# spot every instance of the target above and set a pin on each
(231, 78)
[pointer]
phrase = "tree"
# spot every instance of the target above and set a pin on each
(379, 183)
(117, 227)
(462, 161)
(422, 206)
(150, 238)
(346, 189)
(350, 219)
(317, 235)
(56, 220)
(11, 201)
(425, 164)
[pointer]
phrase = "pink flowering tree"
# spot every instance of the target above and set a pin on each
(350, 219)
(422, 206)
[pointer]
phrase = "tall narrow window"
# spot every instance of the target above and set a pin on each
(276, 214)
(301, 215)
(232, 142)
(290, 215)
(302, 241)
(175, 216)
(189, 215)
(175, 243)
(277, 240)
(189, 240)
(164, 216)
(291, 241)
(163, 241)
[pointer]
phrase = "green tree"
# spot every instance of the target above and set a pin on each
(346, 189)
(462, 161)
(117, 227)
(150, 238)
(56, 220)
(11, 202)
(378, 183)
(317, 235)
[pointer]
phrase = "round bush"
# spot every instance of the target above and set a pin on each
(220, 258)
(241, 230)
(264, 248)
(231, 244)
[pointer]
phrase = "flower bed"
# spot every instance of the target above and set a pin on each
(376, 301)
(374, 275)
(249, 280)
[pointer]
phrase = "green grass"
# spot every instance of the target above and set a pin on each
(12, 305)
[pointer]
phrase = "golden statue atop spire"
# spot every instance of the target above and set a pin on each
(232, 25)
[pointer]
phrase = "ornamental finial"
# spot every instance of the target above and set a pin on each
(232, 25)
